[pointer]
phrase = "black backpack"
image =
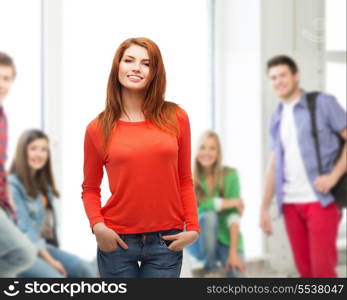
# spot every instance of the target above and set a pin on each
(339, 191)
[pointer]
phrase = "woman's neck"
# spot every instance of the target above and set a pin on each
(32, 173)
(133, 102)
(208, 172)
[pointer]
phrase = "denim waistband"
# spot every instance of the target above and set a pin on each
(149, 234)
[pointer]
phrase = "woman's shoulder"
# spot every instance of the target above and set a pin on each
(174, 109)
(94, 132)
(181, 113)
(94, 127)
(176, 115)
(14, 180)
(16, 184)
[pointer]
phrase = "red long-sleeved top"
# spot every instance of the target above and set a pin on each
(149, 175)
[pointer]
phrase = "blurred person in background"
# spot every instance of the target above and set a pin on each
(304, 195)
(143, 141)
(33, 190)
(16, 251)
(217, 190)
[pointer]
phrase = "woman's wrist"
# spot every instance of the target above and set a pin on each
(192, 237)
(47, 257)
(98, 227)
(218, 204)
(196, 232)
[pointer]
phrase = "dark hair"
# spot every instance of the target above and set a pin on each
(282, 60)
(44, 177)
(6, 60)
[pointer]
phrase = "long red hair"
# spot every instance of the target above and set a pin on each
(162, 113)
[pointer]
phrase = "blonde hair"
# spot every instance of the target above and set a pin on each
(218, 171)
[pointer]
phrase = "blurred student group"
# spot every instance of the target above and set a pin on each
(306, 163)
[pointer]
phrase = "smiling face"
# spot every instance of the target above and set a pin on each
(208, 152)
(134, 68)
(37, 153)
(283, 81)
(6, 80)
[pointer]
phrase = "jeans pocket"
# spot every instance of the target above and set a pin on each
(166, 243)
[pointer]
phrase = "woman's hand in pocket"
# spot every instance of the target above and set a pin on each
(181, 240)
(107, 239)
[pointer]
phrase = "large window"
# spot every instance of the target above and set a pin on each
(336, 67)
(336, 49)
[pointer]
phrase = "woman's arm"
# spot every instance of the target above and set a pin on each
(93, 173)
(106, 238)
(232, 198)
(52, 261)
(234, 233)
(224, 204)
(234, 261)
(232, 195)
(187, 194)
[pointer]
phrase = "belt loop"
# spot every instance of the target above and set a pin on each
(161, 241)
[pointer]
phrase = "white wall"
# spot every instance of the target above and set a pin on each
(91, 33)
(20, 37)
(239, 105)
(335, 46)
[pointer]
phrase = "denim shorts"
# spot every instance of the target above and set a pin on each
(147, 256)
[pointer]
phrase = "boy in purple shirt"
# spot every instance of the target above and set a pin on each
(16, 252)
(304, 196)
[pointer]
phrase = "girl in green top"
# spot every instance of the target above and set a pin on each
(219, 206)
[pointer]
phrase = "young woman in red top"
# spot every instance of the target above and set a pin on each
(143, 142)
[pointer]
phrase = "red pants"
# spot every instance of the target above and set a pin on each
(312, 231)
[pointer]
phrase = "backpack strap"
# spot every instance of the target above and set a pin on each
(311, 101)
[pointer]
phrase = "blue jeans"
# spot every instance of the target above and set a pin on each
(208, 249)
(74, 266)
(156, 259)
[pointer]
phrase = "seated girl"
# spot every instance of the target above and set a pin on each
(219, 206)
(33, 189)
